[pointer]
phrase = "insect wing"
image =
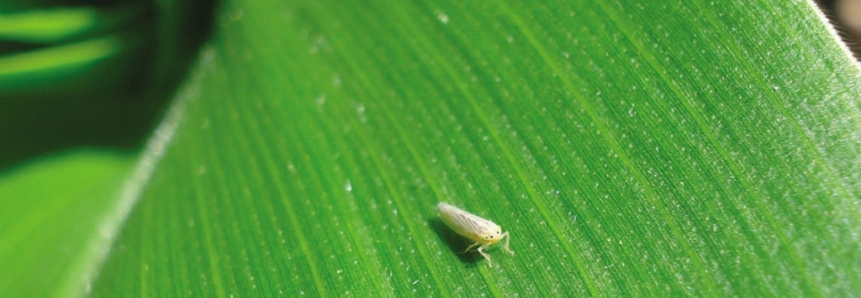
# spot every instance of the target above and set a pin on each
(464, 223)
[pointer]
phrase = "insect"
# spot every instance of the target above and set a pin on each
(484, 232)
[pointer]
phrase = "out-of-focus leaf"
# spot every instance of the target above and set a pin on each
(50, 217)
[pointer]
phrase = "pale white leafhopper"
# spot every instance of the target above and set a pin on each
(484, 232)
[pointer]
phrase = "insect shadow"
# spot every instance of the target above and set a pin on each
(456, 243)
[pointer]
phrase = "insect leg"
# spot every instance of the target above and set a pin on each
(507, 240)
(471, 247)
(481, 251)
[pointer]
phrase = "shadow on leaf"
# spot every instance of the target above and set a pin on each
(456, 243)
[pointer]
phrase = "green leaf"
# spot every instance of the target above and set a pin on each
(60, 61)
(51, 215)
(82, 39)
(630, 148)
(47, 25)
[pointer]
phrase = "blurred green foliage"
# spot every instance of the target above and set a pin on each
(82, 84)
(90, 73)
(50, 212)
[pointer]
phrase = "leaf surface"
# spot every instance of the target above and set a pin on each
(691, 148)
